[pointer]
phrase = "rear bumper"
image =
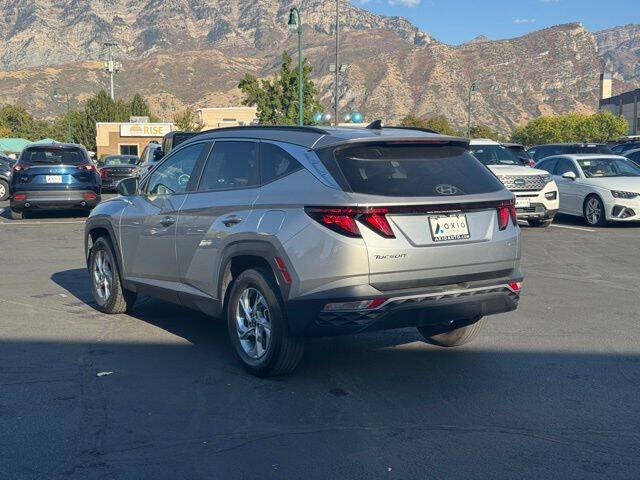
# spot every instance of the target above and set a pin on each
(538, 211)
(445, 305)
(55, 199)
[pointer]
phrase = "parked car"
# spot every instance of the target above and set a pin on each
(600, 188)
(622, 148)
(542, 151)
(53, 176)
(172, 139)
(290, 232)
(151, 154)
(633, 155)
(114, 168)
(6, 170)
(536, 192)
(519, 151)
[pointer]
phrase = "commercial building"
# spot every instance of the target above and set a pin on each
(625, 104)
(227, 117)
(128, 138)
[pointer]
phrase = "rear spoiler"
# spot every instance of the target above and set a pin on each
(415, 139)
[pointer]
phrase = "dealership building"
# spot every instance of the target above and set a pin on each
(128, 138)
(625, 104)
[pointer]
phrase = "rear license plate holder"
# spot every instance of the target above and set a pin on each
(448, 228)
(53, 178)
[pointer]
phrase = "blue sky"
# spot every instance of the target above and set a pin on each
(457, 21)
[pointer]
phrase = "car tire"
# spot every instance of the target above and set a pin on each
(452, 338)
(537, 223)
(103, 267)
(266, 347)
(16, 214)
(4, 190)
(593, 211)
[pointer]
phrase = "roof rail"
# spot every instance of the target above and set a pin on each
(377, 125)
(297, 128)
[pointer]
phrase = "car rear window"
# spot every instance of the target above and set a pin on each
(401, 170)
(53, 156)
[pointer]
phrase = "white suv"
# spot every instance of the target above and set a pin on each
(536, 193)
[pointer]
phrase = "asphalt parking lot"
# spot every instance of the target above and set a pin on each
(550, 391)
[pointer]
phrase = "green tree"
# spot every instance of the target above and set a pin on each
(187, 121)
(138, 107)
(482, 131)
(439, 123)
(19, 123)
(277, 100)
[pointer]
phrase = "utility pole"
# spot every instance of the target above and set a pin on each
(335, 94)
(295, 23)
(111, 66)
(472, 88)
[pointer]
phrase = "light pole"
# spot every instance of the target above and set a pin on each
(58, 94)
(296, 24)
(472, 88)
(111, 66)
(337, 60)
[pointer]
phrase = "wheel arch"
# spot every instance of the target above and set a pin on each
(599, 197)
(97, 229)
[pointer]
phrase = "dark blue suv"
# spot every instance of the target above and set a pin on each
(53, 176)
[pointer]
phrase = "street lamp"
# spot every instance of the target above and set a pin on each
(296, 24)
(472, 88)
(59, 94)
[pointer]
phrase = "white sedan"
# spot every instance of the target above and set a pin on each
(600, 188)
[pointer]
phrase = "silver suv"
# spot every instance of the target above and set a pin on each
(289, 232)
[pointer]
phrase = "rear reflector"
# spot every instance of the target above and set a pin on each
(283, 270)
(90, 196)
(354, 306)
(19, 197)
(515, 286)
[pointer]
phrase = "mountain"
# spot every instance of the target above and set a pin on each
(619, 48)
(192, 53)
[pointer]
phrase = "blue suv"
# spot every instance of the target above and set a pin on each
(53, 176)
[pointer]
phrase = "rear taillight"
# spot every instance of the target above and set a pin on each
(506, 212)
(343, 220)
(102, 172)
(18, 168)
(90, 196)
(515, 286)
(87, 166)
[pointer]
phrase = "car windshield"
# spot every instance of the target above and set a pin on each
(608, 167)
(53, 156)
(115, 160)
(494, 155)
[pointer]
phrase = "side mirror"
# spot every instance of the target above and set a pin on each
(157, 155)
(569, 175)
(128, 186)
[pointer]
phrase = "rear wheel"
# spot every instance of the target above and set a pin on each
(594, 211)
(108, 293)
(538, 223)
(452, 338)
(4, 190)
(257, 326)
(16, 214)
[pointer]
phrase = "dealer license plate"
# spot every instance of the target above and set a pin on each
(54, 178)
(523, 202)
(447, 228)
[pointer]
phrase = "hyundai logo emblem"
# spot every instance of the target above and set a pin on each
(519, 181)
(444, 189)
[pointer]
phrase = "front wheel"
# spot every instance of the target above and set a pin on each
(452, 338)
(257, 326)
(594, 212)
(108, 293)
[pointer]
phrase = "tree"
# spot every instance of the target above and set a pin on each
(277, 100)
(187, 121)
(573, 127)
(138, 107)
(19, 123)
(439, 123)
(482, 131)
(4, 132)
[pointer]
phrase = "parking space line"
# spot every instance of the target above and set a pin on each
(12, 224)
(582, 229)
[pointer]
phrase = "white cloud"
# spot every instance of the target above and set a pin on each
(405, 3)
(524, 20)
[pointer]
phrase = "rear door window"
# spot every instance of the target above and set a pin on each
(231, 165)
(548, 165)
(408, 170)
(565, 165)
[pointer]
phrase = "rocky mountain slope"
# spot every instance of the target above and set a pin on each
(620, 50)
(192, 53)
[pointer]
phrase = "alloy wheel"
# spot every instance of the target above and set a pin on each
(593, 211)
(253, 323)
(3, 191)
(102, 276)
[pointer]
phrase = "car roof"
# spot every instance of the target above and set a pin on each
(483, 141)
(582, 156)
(509, 144)
(316, 138)
(572, 144)
(633, 150)
(54, 145)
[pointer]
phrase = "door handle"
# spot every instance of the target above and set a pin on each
(167, 221)
(231, 221)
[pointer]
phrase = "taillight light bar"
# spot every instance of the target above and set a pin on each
(343, 220)
(507, 210)
(87, 166)
(18, 167)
